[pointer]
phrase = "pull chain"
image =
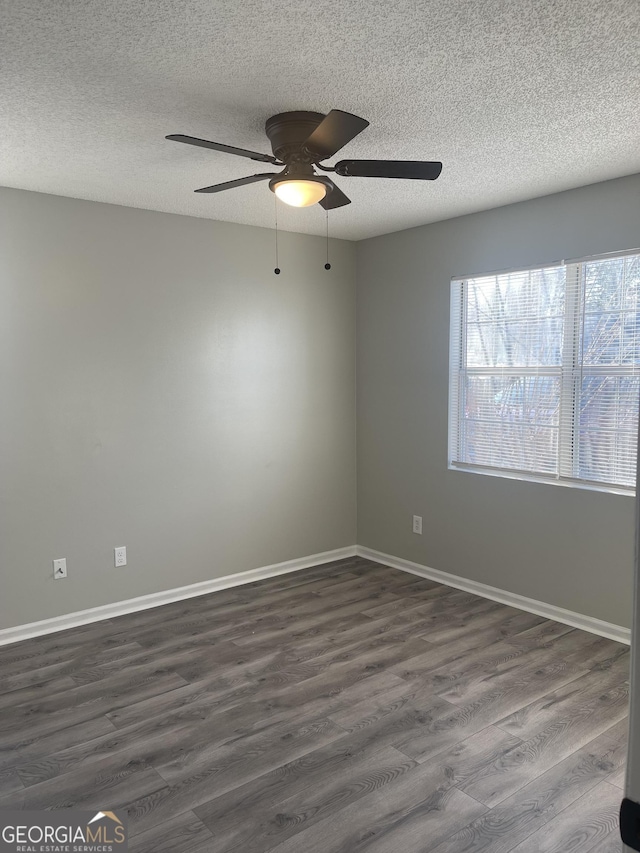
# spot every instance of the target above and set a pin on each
(277, 269)
(327, 266)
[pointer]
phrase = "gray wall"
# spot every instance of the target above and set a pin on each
(161, 388)
(569, 547)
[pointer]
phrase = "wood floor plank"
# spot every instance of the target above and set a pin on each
(63, 652)
(470, 622)
(345, 587)
(58, 642)
(234, 615)
(194, 701)
(474, 685)
(440, 595)
(545, 632)
(249, 595)
(485, 647)
(548, 746)
(40, 746)
(467, 759)
(370, 734)
(89, 789)
(370, 709)
(344, 708)
(441, 618)
(610, 844)
(321, 627)
(164, 737)
(495, 630)
(350, 567)
(458, 724)
(277, 669)
(292, 623)
(603, 654)
(65, 646)
(165, 655)
(76, 661)
(464, 674)
(580, 828)
(275, 818)
(408, 623)
(525, 812)
(33, 693)
(227, 626)
(185, 833)
(10, 782)
(82, 703)
(278, 694)
(567, 700)
(410, 815)
(42, 675)
(393, 723)
(619, 777)
(619, 732)
(212, 773)
(575, 646)
(421, 607)
(144, 748)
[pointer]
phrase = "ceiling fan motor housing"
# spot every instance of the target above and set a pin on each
(287, 133)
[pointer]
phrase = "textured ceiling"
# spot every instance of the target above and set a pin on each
(518, 98)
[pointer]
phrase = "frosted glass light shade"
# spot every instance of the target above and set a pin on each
(300, 193)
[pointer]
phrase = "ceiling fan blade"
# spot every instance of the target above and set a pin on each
(240, 182)
(336, 198)
(335, 130)
(416, 170)
(218, 146)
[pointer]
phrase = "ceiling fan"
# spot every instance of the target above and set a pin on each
(301, 140)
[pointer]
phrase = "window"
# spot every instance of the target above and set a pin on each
(545, 372)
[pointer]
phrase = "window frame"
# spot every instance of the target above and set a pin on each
(570, 373)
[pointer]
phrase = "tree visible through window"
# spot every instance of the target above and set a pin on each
(545, 372)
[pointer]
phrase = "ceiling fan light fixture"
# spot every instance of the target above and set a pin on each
(301, 140)
(299, 192)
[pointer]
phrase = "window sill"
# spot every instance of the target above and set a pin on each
(548, 481)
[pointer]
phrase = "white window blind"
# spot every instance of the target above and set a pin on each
(545, 372)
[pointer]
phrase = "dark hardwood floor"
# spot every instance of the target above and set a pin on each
(346, 708)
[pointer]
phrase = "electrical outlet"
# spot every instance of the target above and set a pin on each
(60, 568)
(120, 556)
(417, 524)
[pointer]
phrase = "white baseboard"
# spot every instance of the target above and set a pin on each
(540, 608)
(154, 599)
